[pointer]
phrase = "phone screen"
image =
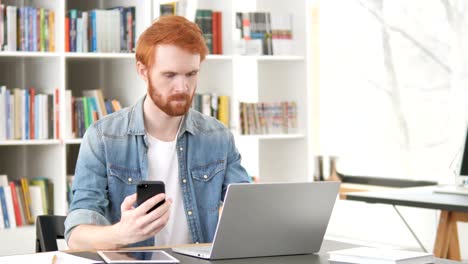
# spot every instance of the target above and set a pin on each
(148, 189)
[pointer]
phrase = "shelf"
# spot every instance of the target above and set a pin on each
(73, 141)
(258, 58)
(24, 228)
(279, 58)
(29, 142)
(29, 54)
(275, 136)
(99, 55)
(218, 57)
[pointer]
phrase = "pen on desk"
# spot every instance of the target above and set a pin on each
(54, 259)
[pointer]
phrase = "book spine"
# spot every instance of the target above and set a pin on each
(32, 95)
(42, 30)
(22, 205)
(57, 133)
(6, 220)
(12, 28)
(2, 23)
(51, 30)
(67, 33)
(73, 20)
(223, 111)
(16, 204)
(27, 200)
(9, 204)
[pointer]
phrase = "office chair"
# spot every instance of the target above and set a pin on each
(49, 228)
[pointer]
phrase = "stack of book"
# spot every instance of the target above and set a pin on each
(25, 114)
(111, 30)
(26, 28)
(260, 33)
(213, 105)
(81, 112)
(21, 201)
(210, 22)
(268, 118)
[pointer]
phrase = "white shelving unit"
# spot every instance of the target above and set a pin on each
(243, 78)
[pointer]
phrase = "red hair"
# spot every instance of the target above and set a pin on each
(172, 30)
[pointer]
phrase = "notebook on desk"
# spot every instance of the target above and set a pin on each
(269, 220)
(462, 177)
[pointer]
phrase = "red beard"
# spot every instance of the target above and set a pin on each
(175, 105)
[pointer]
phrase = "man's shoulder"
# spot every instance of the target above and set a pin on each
(115, 123)
(207, 124)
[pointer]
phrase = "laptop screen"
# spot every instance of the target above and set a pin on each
(464, 165)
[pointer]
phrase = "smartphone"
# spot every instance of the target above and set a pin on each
(148, 189)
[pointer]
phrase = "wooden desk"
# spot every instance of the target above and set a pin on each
(320, 258)
(453, 208)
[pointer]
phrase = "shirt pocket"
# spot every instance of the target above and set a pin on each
(119, 174)
(206, 172)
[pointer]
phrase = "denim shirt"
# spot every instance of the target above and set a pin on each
(113, 159)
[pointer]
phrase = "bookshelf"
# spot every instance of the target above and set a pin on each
(252, 78)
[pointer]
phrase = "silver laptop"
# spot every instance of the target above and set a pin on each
(270, 219)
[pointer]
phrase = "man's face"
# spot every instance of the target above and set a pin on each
(172, 79)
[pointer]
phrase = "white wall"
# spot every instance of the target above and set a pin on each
(396, 115)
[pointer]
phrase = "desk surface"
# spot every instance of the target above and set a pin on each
(321, 258)
(422, 197)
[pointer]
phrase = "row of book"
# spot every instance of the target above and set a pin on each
(213, 105)
(25, 114)
(26, 28)
(81, 112)
(260, 33)
(268, 118)
(98, 30)
(21, 201)
(210, 22)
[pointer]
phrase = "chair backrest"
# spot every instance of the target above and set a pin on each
(49, 228)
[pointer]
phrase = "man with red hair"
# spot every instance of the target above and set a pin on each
(158, 138)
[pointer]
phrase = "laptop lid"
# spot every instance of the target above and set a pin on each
(274, 219)
(464, 159)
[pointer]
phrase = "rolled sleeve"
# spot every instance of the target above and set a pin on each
(83, 217)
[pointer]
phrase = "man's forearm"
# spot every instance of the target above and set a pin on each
(94, 237)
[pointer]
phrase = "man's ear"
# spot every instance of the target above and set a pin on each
(142, 71)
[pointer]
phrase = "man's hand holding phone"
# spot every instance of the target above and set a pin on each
(144, 221)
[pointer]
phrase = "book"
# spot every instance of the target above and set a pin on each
(27, 200)
(9, 205)
(368, 255)
(16, 204)
(37, 204)
(223, 110)
(43, 184)
(4, 208)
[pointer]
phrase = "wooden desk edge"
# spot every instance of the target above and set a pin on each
(354, 187)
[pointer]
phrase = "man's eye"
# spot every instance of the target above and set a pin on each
(170, 75)
(191, 74)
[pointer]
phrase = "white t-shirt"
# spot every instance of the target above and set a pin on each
(163, 166)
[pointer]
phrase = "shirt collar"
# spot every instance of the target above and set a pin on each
(137, 121)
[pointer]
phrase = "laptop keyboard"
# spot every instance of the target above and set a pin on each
(201, 249)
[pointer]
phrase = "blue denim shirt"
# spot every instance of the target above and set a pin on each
(113, 159)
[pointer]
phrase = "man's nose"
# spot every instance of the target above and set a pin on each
(182, 84)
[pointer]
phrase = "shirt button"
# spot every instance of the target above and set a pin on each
(184, 180)
(189, 212)
(129, 179)
(205, 176)
(181, 148)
